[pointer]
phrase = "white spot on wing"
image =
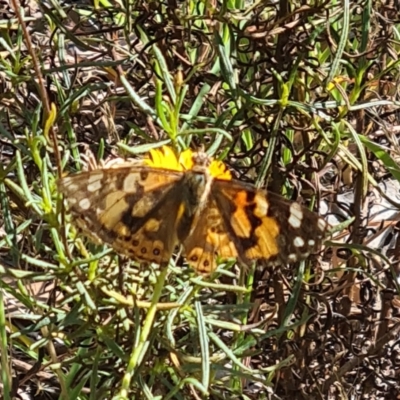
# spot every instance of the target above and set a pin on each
(69, 187)
(261, 206)
(130, 183)
(321, 224)
(292, 257)
(84, 204)
(298, 241)
(71, 201)
(95, 178)
(311, 243)
(94, 183)
(296, 215)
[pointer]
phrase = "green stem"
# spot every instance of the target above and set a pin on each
(139, 350)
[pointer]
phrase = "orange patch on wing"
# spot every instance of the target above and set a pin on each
(266, 233)
(267, 245)
(121, 229)
(261, 209)
(240, 221)
(113, 207)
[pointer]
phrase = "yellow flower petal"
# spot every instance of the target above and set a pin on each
(165, 157)
(186, 160)
(218, 170)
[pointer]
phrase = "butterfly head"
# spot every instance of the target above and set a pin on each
(201, 161)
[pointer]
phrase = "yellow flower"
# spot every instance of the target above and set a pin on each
(218, 170)
(165, 157)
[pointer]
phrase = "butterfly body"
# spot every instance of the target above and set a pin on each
(144, 212)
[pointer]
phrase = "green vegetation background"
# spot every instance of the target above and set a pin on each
(299, 97)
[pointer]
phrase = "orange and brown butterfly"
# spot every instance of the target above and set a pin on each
(144, 210)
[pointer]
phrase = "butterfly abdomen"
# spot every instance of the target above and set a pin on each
(194, 194)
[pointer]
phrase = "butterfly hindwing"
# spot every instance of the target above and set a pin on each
(265, 225)
(133, 209)
(208, 240)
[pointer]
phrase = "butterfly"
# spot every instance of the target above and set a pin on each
(144, 210)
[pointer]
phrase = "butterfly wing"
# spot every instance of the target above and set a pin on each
(132, 208)
(207, 240)
(265, 225)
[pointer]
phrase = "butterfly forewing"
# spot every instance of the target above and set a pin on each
(265, 226)
(133, 209)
